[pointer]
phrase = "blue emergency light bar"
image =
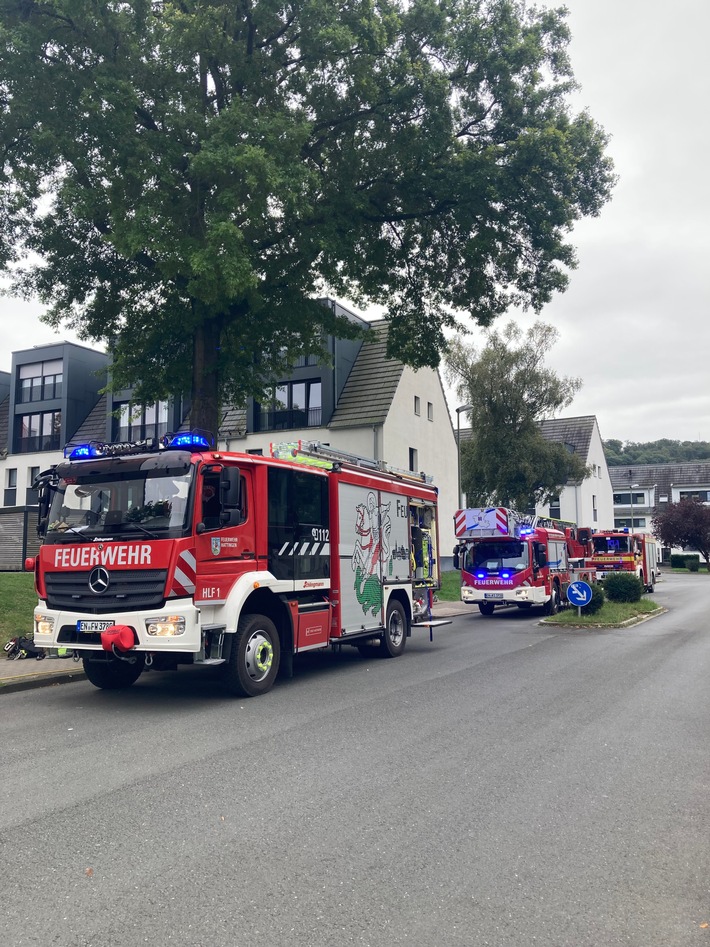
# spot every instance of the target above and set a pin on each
(185, 440)
(190, 439)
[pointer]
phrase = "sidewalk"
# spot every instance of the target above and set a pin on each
(30, 673)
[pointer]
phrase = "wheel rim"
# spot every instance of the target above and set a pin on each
(259, 656)
(396, 629)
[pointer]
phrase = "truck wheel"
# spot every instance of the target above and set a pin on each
(254, 659)
(395, 633)
(486, 608)
(652, 586)
(552, 607)
(114, 674)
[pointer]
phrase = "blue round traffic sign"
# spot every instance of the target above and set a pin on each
(579, 593)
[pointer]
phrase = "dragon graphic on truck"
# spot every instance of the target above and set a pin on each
(373, 527)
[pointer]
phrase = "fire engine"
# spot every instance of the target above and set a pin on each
(509, 558)
(160, 553)
(621, 551)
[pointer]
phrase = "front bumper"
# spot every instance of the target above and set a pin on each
(518, 595)
(64, 633)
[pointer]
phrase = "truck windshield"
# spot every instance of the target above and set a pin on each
(496, 556)
(611, 544)
(151, 502)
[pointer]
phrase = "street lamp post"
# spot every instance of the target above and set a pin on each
(463, 407)
(631, 501)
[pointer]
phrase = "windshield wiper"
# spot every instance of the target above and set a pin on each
(148, 532)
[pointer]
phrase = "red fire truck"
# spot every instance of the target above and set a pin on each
(159, 554)
(622, 551)
(509, 558)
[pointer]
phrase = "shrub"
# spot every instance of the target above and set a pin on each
(677, 560)
(597, 599)
(692, 564)
(623, 587)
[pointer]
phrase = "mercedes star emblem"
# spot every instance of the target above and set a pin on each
(99, 580)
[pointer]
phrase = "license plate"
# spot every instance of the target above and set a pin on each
(86, 627)
(493, 595)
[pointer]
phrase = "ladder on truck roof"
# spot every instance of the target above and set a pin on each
(318, 454)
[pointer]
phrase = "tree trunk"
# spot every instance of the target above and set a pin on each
(204, 413)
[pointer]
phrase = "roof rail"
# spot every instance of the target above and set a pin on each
(318, 454)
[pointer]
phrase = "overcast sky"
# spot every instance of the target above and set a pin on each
(634, 323)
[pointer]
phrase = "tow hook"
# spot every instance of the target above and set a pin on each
(119, 639)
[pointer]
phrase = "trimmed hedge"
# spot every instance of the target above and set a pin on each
(597, 599)
(692, 565)
(683, 560)
(623, 587)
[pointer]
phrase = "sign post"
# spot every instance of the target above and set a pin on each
(579, 594)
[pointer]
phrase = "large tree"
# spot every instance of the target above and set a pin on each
(507, 461)
(686, 523)
(183, 179)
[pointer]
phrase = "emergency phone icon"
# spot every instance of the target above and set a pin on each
(579, 593)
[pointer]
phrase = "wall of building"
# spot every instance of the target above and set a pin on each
(591, 503)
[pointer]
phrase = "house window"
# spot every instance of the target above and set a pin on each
(414, 459)
(417, 405)
(702, 495)
(31, 498)
(137, 422)
(430, 411)
(38, 431)
(624, 499)
(10, 497)
(594, 508)
(555, 508)
(294, 404)
(40, 381)
(621, 522)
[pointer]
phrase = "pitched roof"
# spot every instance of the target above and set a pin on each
(662, 476)
(574, 433)
(93, 427)
(371, 385)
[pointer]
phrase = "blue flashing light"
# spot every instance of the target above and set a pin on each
(480, 575)
(83, 451)
(505, 575)
(191, 440)
(527, 531)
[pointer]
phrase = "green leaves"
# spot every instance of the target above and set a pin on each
(507, 461)
(220, 158)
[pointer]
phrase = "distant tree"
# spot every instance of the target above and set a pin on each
(507, 461)
(663, 451)
(686, 523)
(182, 180)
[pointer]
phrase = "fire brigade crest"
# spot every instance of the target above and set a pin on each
(216, 544)
(373, 527)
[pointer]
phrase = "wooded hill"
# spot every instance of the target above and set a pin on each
(664, 451)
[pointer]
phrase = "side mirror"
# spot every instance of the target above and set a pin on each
(230, 489)
(457, 563)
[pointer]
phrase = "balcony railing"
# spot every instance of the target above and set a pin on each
(289, 419)
(27, 445)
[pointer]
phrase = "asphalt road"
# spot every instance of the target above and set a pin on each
(505, 786)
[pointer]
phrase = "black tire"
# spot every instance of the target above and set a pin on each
(652, 587)
(486, 608)
(254, 658)
(114, 674)
(552, 607)
(394, 637)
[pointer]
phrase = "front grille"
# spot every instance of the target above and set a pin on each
(127, 591)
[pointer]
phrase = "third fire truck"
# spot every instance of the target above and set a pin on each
(508, 558)
(621, 551)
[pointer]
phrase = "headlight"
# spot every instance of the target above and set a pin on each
(165, 626)
(44, 625)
